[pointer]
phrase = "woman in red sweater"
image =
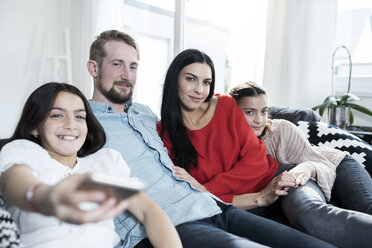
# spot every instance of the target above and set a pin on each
(211, 144)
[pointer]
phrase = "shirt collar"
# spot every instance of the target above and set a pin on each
(128, 104)
(101, 107)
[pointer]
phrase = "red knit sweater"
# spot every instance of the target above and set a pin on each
(231, 160)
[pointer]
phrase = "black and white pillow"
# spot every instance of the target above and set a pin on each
(9, 234)
(323, 134)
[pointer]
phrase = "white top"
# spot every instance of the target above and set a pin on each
(287, 144)
(42, 231)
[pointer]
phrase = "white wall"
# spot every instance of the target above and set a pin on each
(25, 26)
(32, 30)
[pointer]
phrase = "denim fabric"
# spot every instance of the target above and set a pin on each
(308, 211)
(134, 135)
(353, 186)
(238, 228)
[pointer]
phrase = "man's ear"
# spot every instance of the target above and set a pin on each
(92, 67)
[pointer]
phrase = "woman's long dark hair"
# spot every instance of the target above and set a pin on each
(183, 151)
(37, 108)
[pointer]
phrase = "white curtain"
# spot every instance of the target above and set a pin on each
(299, 46)
(29, 30)
(32, 31)
(88, 19)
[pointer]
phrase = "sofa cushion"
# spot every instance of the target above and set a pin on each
(9, 234)
(293, 114)
(323, 134)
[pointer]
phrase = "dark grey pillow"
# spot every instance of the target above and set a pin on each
(293, 114)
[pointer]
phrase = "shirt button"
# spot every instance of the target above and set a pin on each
(109, 108)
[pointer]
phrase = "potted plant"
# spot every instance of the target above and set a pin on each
(339, 108)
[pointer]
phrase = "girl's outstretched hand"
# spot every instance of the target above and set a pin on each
(70, 204)
(63, 200)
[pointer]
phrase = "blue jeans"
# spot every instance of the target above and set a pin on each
(238, 228)
(307, 210)
(353, 186)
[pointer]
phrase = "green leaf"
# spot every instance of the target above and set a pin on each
(321, 110)
(348, 98)
(360, 108)
(330, 99)
(328, 102)
(342, 100)
(351, 118)
(353, 97)
(316, 107)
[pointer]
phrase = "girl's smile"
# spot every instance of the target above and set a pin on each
(64, 130)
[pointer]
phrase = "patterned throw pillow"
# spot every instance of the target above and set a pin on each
(323, 134)
(9, 234)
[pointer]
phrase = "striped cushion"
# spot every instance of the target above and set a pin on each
(323, 134)
(9, 234)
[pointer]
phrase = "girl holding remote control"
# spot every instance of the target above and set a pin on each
(56, 143)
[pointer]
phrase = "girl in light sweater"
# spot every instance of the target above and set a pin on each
(338, 176)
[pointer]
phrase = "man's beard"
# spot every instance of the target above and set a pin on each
(113, 95)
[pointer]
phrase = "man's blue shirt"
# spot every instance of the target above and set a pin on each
(134, 135)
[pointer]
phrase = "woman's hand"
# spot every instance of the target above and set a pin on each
(181, 173)
(278, 186)
(303, 172)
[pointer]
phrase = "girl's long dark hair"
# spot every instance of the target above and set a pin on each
(184, 153)
(37, 108)
(248, 89)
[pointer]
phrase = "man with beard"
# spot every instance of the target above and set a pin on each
(201, 219)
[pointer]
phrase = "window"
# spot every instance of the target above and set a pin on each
(233, 35)
(354, 30)
(150, 22)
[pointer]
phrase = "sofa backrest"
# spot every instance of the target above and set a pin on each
(293, 114)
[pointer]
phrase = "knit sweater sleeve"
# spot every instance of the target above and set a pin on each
(287, 144)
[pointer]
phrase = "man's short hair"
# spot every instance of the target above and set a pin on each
(97, 51)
